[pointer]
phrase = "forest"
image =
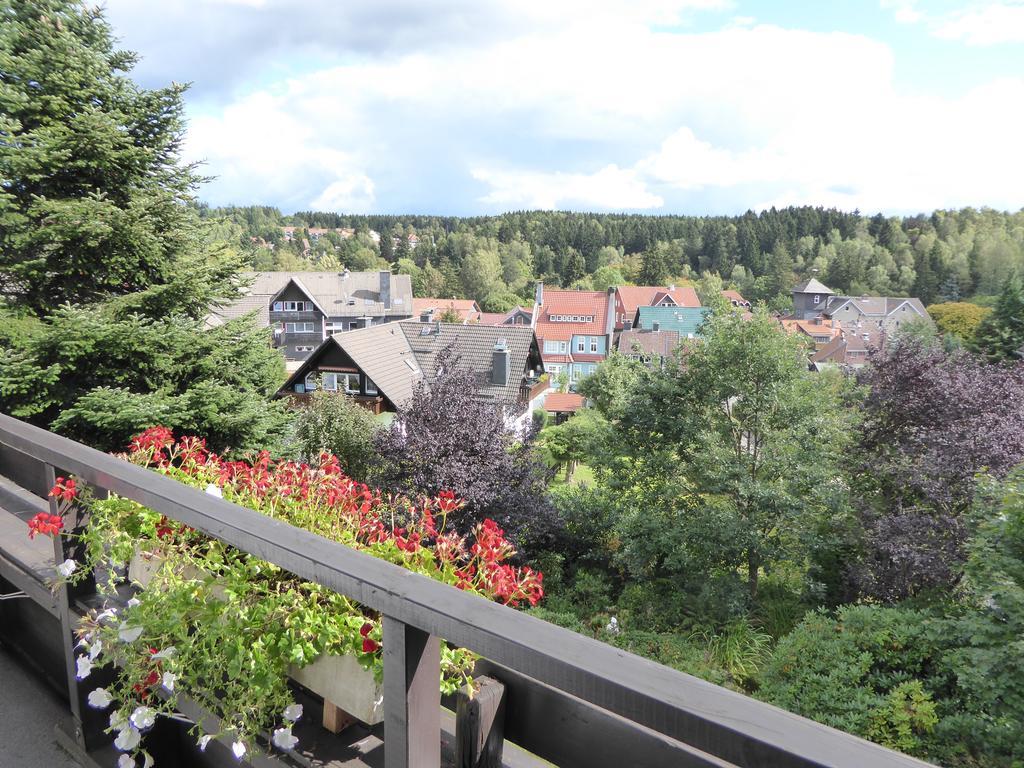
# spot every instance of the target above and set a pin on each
(944, 256)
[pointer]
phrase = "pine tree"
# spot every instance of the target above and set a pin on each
(1000, 337)
(107, 273)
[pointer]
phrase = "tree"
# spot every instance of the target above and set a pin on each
(958, 318)
(1000, 336)
(92, 196)
(655, 269)
(931, 421)
(567, 444)
(607, 277)
(108, 274)
(481, 273)
(575, 267)
(334, 423)
(449, 439)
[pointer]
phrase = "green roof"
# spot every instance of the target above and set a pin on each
(685, 320)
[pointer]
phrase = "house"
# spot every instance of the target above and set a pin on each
(304, 308)
(515, 316)
(574, 329)
(736, 299)
(821, 330)
(849, 351)
(684, 320)
(381, 365)
(855, 313)
(628, 298)
(428, 310)
(562, 405)
(650, 347)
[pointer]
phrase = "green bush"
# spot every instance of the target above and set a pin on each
(863, 671)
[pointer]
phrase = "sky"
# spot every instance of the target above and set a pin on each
(467, 107)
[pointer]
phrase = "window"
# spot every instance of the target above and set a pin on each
(330, 382)
(581, 344)
(304, 349)
(299, 328)
(310, 381)
(277, 306)
(371, 388)
(563, 347)
(593, 343)
(551, 346)
(332, 328)
(350, 381)
(817, 299)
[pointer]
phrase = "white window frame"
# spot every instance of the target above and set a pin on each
(817, 298)
(581, 344)
(349, 378)
(307, 327)
(593, 344)
(277, 306)
(563, 347)
(371, 388)
(304, 348)
(310, 381)
(329, 382)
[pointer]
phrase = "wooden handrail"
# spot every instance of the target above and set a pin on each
(721, 723)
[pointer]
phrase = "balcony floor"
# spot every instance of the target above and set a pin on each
(29, 711)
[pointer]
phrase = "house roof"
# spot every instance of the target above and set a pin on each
(238, 308)
(685, 320)
(661, 343)
(475, 346)
(826, 327)
(735, 298)
(332, 292)
(501, 318)
(812, 286)
(837, 350)
(399, 355)
(466, 309)
(563, 402)
(573, 303)
(874, 306)
(634, 296)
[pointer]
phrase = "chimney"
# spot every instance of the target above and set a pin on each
(627, 325)
(385, 288)
(425, 315)
(500, 364)
(655, 326)
(539, 294)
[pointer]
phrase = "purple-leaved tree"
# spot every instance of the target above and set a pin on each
(448, 439)
(932, 421)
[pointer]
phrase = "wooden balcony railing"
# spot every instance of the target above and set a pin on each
(569, 699)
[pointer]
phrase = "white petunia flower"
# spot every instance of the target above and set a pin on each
(238, 748)
(213, 490)
(166, 653)
(126, 761)
(143, 718)
(168, 680)
(108, 613)
(203, 741)
(100, 698)
(283, 738)
(133, 601)
(128, 634)
(128, 739)
(147, 760)
(95, 650)
(293, 712)
(84, 664)
(66, 568)
(117, 721)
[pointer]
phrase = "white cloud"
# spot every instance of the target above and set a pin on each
(611, 187)
(987, 25)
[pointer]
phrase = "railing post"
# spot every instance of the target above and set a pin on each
(412, 697)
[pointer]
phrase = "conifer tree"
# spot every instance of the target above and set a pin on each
(1000, 337)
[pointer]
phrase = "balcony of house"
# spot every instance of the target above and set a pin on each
(533, 387)
(545, 693)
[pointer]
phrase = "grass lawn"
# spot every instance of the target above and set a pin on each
(583, 475)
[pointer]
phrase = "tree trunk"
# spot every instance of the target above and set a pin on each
(570, 469)
(753, 566)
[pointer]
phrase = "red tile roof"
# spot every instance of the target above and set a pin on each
(736, 298)
(466, 309)
(563, 402)
(629, 297)
(573, 303)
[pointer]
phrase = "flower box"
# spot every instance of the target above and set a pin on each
(340, 680)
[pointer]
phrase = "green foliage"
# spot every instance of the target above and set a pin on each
(1000, 336)
(958, 318)
(334, 423)
(862, 672)
(738, 648)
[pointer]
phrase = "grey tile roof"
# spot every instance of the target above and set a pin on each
(650, 342)
(812, 286)
(383, 354)
(243, 306)
(874, 306)
(332, 291)
(475, 344)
